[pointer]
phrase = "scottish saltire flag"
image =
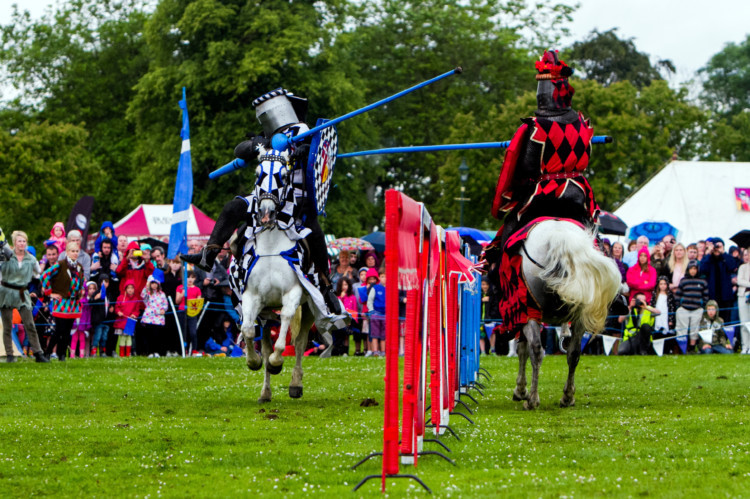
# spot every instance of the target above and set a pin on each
(183, 189)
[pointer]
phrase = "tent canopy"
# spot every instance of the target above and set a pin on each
(696, 197)
(156, 220)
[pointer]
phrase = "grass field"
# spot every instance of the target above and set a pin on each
(642, 426)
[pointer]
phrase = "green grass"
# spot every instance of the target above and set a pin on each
(642, 426)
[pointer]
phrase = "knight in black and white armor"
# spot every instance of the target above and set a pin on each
(278, 111)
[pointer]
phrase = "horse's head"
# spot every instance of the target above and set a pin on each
(273, 181)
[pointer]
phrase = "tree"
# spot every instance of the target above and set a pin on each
(79, 65)
(41, 183)
(648, 125)
(727, 85)
(727, 94)
(606, 58)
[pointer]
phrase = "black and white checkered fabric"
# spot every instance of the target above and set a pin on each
(321, 161)
(270, 95)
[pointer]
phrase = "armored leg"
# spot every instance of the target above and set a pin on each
(232, 215)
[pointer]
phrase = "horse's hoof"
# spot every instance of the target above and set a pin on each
(564, 402)
(255, 368)
(273, 369)
(263, 399)
(529, 406)
(518, 398)
(295, 392)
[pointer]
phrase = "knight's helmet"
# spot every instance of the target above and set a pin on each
(553, 91)
(279, 108)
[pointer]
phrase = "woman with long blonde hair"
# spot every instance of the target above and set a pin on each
(678, 261)
(18, 267)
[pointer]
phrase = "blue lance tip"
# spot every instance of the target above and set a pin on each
(228, 168)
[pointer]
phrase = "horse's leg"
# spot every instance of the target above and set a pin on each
(289, 303)
(300, 342)
(532, 331)
(520, 393)
(265, 392)
(574, 355)
(250, 309)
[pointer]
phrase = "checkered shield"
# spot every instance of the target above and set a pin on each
(320, 162)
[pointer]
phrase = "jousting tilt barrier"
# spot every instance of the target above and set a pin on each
(443, 300)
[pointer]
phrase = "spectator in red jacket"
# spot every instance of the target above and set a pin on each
(641, 277)
(134, 268)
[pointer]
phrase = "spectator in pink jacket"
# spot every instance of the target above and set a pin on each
(641, 277)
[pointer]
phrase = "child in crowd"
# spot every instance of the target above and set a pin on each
(690, 295)
(345, 294)
(98, 305)
(222, 344)
(153, 320)
(712, 322)
(376, 303)
(488, 309)
(194, 303)
(78, 341)
(128, 307)
(360, 288)
(57, 237)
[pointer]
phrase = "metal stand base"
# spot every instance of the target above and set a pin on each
(436, 441)
(447, 428)
(367, 458)
(480, 373)
(459, 401)
(463, 415)
(485, 371)
(470, 397)
(413, 477)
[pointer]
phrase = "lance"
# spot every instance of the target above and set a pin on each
(598, 139)
(281, 142)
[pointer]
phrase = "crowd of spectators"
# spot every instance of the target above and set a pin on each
(674, 291)
(126, 298)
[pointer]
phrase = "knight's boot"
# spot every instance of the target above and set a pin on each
(205, 259)
(341, 317)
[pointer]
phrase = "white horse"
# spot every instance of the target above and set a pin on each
(272, 284)
(562, 267)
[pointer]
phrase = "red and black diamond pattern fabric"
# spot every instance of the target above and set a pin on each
(563, 93)
(565, 147)
(518, 305)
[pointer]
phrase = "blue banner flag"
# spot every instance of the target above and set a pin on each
(183, 189)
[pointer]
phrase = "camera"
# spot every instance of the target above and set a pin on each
(639, 304)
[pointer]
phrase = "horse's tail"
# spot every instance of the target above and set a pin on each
(296, 323)
(585, 279)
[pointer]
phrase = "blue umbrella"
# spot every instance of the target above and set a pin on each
(476, 234)
(654, 231)
(377, 239)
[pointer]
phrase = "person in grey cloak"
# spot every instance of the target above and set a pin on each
(18, 267)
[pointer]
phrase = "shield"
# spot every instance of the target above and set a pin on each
(610, 223)
(320, 163)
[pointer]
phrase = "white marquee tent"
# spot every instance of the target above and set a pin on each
(696, 197)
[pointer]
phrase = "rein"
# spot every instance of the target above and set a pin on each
(525, 252)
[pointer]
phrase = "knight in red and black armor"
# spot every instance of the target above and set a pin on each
(542, 175)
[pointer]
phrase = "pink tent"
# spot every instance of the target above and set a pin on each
(155, 220)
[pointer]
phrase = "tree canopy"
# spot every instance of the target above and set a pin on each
(97, 84)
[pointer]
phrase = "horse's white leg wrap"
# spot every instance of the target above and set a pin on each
(290, 302)
(250, 306)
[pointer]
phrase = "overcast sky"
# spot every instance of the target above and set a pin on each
(688, 32)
